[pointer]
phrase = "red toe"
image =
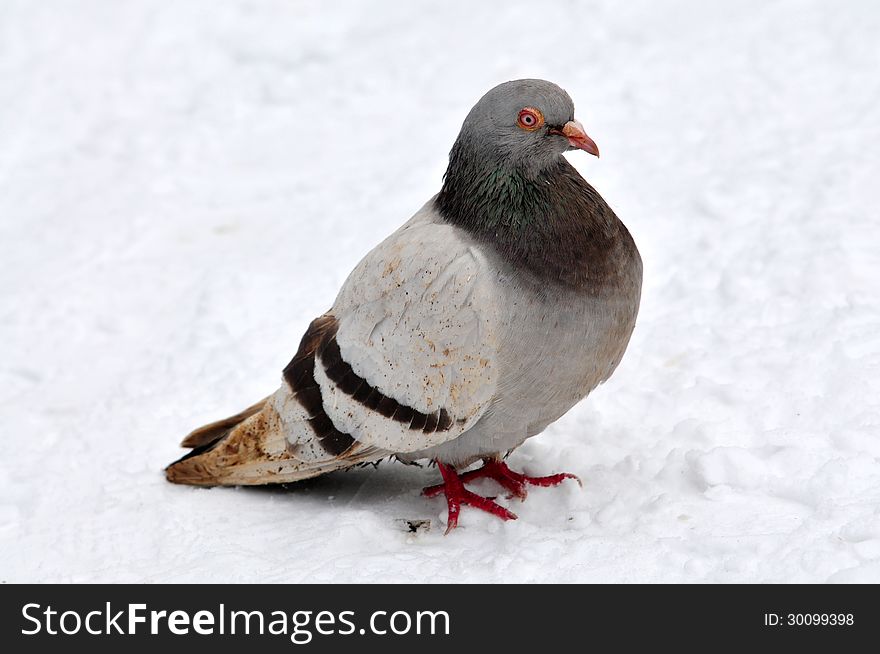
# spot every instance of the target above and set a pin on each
(457, 494)
(515, 482)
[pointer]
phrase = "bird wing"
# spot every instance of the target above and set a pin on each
(405, 360)
(409, 355)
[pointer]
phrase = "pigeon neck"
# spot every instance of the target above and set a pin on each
(552, 222)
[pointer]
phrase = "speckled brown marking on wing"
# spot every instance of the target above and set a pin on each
(423, 331)
(342, 374)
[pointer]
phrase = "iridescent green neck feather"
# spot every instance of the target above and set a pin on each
(548, 221)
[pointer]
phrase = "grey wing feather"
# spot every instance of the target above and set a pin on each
(418, 323)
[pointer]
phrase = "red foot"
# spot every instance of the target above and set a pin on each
(457, 494)
(515, 482)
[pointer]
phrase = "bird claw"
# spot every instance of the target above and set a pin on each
(457, 495)
(514, 482)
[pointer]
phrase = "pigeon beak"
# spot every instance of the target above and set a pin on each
(577, 137)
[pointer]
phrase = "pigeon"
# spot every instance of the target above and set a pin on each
(504, 301)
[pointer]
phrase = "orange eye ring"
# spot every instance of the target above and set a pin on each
(530, 119)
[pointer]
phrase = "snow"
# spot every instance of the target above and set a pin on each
(184, 186)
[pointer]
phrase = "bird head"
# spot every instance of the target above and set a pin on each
(528, 123)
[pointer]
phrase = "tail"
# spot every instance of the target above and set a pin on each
(258, 447)
(212, 432)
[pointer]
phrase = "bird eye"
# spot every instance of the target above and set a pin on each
(530, 119)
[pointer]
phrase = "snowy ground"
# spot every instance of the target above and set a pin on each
(183, 186)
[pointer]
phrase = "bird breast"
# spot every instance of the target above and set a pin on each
(557, 344)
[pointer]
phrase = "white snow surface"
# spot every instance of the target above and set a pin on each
(184, 186)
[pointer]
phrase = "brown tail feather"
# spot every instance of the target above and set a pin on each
(255, 450)
(214, 431)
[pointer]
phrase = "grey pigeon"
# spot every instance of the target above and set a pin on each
(505, 300)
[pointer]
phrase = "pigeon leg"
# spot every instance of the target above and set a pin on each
(515, 482)
(457, 494)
